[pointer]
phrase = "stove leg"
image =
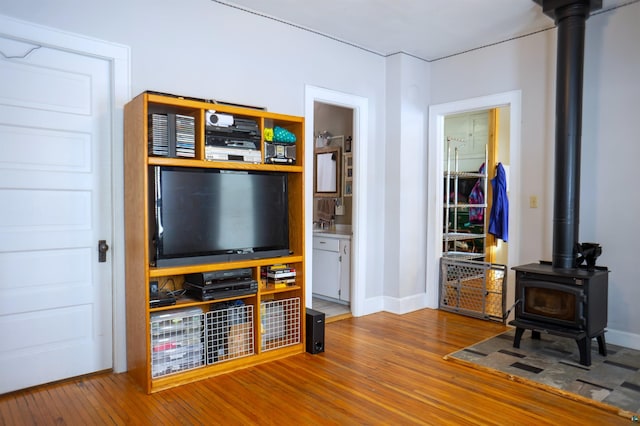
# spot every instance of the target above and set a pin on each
(517, 337)
(585, 350)
(535, 335)
(602, 345)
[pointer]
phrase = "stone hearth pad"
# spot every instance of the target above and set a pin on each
(553, 363)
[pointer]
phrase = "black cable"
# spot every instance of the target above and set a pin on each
(506, 315)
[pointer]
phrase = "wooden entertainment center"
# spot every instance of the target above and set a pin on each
(242, 325)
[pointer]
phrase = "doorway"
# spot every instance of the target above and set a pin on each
(475, 143)
(359, 109)
(332, 216)
(437, 116)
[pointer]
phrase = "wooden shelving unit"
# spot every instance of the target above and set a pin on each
(139, 271)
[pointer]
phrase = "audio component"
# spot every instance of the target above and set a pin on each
(315, 331)
(279, 153)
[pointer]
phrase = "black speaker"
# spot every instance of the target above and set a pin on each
(315, 331)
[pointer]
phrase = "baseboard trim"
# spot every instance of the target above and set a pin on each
(623, 338)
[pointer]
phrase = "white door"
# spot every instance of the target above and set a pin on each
(55, 204)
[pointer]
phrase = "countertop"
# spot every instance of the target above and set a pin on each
(338, 231)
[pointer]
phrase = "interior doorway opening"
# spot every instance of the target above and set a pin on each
(333, 214)
(358, 110)
(475, 143)
(437, 116)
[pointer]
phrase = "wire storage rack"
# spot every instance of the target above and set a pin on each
(280, 323)
(229, 331)
(473, 288)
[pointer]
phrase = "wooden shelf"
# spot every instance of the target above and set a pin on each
(139, 270)
(191, 269)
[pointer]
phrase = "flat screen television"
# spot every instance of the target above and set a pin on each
(205, 215)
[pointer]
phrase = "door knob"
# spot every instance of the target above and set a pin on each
(102, 250)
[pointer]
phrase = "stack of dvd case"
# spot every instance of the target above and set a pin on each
(172, 135)
(159, 135)
(185, 136)
(279, 276)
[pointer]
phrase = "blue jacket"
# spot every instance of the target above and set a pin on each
(499, 215)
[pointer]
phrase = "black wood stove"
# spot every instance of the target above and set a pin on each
(563, 297)
(565, 302)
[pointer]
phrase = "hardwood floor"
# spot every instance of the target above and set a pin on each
(378, 369)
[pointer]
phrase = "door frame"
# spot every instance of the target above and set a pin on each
(360, 107)
(118, 57)
(437, 114)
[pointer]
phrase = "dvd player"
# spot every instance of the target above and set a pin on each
(232, 141)
(222, 289)
(212, 277)
(161, 298)
(232, 154)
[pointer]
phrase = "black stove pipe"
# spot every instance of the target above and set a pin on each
(570, 17)
(570, 21)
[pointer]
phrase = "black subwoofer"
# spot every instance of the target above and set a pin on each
(315, 331)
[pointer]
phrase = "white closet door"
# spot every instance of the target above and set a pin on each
(55, 204)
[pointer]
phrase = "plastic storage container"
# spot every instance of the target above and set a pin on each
(177, 341)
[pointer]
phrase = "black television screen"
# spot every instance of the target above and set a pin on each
(210, 215)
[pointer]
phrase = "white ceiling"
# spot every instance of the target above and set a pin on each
(426, 29)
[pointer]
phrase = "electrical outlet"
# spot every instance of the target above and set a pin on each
(340, 210)
(533, 202)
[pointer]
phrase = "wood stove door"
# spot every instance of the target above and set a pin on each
(551, 302)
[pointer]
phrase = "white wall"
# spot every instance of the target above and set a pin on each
(527, 65)
(610, 147)
(609, 203)
(208, 50)
(205, 49)
(405, 178)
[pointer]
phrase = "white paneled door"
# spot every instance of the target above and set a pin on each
(55, 205)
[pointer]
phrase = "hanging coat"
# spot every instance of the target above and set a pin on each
(499, 216)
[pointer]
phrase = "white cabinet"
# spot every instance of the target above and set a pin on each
(332, 266)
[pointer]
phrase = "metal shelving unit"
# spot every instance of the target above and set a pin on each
(468, 284)
(456, 237)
